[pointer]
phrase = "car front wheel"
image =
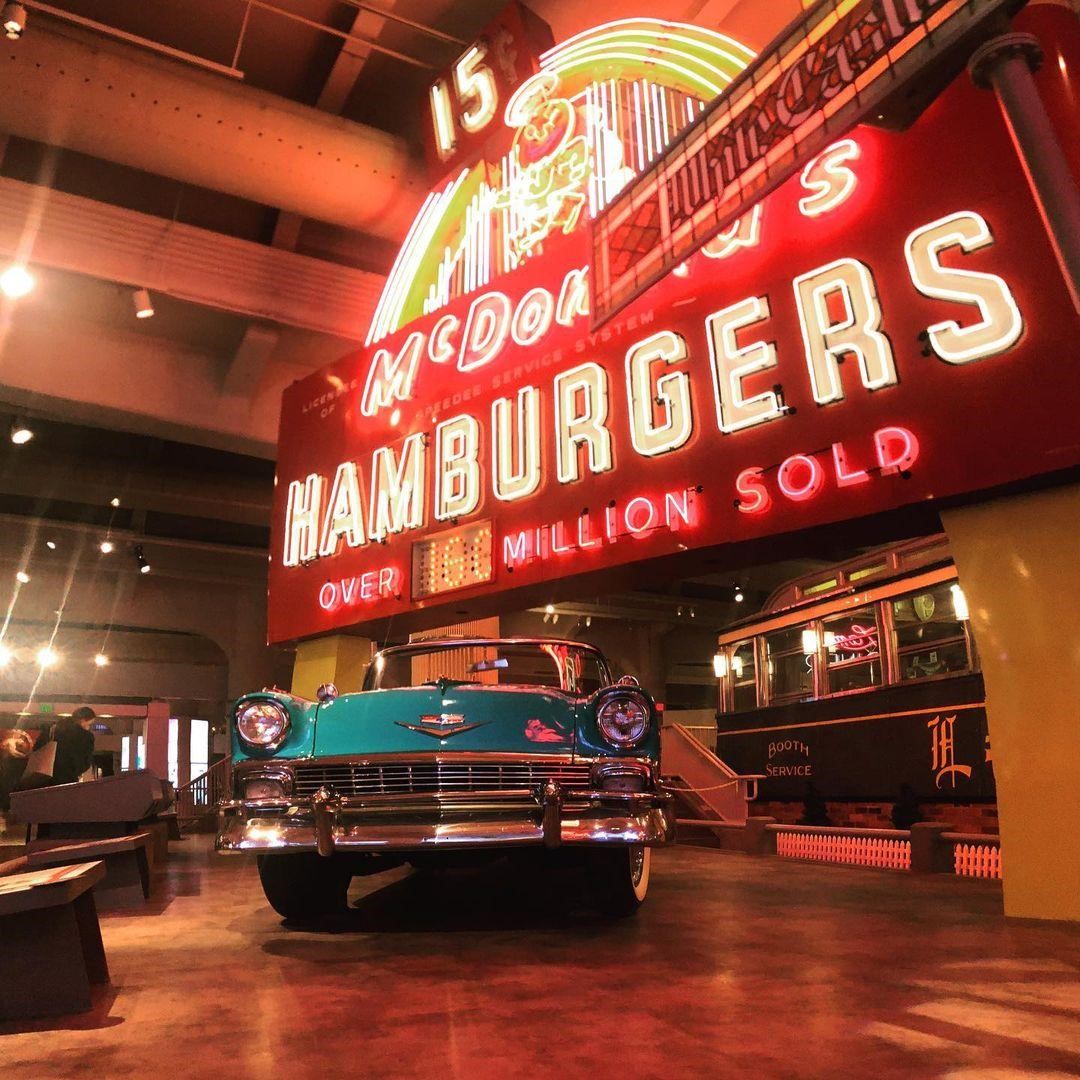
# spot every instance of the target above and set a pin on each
(621, 879)
(304, 886)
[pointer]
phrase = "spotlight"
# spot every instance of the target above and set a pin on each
(144, 306)
(20, 433)
(106, 547)
(14, 17)
(140, 558)
(16, 281)
(6, 655)
(114, 503)
(739, 595)
(22, 577)
(550, 609)
(101, 660)
(47, 657)
(588, 621)
(50, 544)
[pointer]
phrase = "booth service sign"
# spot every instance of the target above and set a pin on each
(886, 327)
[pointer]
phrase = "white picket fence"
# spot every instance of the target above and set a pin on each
(881, 848)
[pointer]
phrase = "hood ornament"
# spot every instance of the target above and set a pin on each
(440, 725)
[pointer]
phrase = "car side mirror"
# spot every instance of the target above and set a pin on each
(327, 693)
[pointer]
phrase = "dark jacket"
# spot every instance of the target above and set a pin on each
(74, 749)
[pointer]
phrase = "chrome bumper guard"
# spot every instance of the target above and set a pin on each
(550, 817)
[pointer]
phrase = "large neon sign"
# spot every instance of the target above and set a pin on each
(868, 337)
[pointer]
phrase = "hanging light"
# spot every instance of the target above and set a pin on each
(20, 433)
(106, 547)
(719, 665)
(13, 20)
(101, 660)
(144, 306)
(47, 657)
(22, 577)
(16, 281)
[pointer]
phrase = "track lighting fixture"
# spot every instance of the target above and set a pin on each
(14, 21)
(144, 306)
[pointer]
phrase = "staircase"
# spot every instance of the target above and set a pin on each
(196, 802)
(711, 794)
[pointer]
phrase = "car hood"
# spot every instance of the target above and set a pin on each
(450, 717)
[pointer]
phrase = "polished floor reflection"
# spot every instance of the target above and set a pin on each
(737, 967)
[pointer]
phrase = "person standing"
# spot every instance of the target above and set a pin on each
(74, 745)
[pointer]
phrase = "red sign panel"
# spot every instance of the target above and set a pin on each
(834, 67)
(888, 327)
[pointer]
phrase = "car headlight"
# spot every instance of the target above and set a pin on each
(623, 719)
(262, 724)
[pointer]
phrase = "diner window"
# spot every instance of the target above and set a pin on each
(930, 632)
(791, 668)
(743, 677)
(853, 650)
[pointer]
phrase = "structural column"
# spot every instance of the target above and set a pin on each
(1005, 63)
(1018, 567)
(338, 658)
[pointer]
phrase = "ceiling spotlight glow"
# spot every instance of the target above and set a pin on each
(16, 281)
(22, 577)
(47, 657)
(144, 306)
(6, 655)
(140, 558)
(740, 596)
(20, 433)
(550, 609)
(14, 21)
(101, 660)
(106, 547)
(50, 544)
(114, 503)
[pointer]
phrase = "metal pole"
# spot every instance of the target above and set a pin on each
(1005, 63)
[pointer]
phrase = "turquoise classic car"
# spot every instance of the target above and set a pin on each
(452, 746)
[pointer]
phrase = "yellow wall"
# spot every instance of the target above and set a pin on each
(339, 659)
(1019, 565)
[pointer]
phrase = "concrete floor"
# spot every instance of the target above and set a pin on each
(737, 967)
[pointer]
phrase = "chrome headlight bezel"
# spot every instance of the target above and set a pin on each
(273, 738)
(612, 713)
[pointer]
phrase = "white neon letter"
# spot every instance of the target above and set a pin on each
(581, 409)
(303, 508)
(532, 316)
(440, 347)
(344, 512)
(389, 378)
(731, 363)
(856, 331)
(670, 393)
(573, 297)
(457, 471)
(485, 330)
(397, 488)
(1000, 323)
(515, 445)
(828, 179)
(474, 83)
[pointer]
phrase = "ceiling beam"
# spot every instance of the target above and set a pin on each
(68, 232)
(123, 105)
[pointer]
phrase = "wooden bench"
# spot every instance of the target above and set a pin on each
(127, 865)
(52, 951)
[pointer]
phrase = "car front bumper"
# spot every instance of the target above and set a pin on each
(476, 821)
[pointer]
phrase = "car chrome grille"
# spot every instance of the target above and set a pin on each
(436, 777)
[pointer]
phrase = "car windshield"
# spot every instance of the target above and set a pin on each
(573, 669)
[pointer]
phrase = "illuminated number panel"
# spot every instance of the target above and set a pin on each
(451, 560)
